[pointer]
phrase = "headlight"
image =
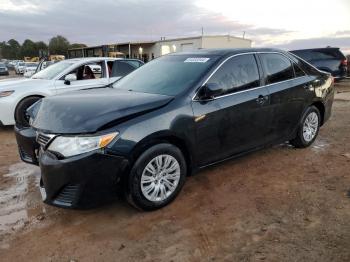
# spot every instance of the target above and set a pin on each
(6, 93)
(75, 145)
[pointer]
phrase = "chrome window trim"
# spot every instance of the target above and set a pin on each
(306, 62)
(242, 91)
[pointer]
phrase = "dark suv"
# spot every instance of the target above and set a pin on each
(171, 117)
(329, 59)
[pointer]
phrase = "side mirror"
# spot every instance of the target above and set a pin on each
(209, 91)
(69, 78)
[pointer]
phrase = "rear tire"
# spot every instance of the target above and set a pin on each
(308, 128)
(21, 117)
(156, 177)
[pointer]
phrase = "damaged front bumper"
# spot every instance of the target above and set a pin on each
(80, 181)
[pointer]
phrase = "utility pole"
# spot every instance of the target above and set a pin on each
(202, 31)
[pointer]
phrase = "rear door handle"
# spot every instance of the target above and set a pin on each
(261, 99)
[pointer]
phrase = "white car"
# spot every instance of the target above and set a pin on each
(19, 67)
(16, 95)
(30, 68)
(95, 68)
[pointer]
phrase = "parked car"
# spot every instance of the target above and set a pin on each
(19, 67)
(3, 70)
(30, 68)
(12, 64)
(173, 116)
(95, 68)
(68, 75)
(9, 65)
(329, 59)
(44, 64)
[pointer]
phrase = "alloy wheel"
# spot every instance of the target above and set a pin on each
(310, 126)
(160, 178)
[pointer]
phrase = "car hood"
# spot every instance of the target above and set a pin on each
(92, 110)
(17, 83)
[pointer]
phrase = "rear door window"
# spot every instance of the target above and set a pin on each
(277, 68)
(236, 74)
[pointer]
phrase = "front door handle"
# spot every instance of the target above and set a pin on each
(308, 87)
(261, 99)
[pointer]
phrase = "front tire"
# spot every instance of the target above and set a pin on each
(308, 128)
(21, 117)
(156, 177)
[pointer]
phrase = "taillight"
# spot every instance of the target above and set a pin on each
(332, 78)
(344, 62)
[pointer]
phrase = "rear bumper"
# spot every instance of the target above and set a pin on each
(4, 73)
(328, 103)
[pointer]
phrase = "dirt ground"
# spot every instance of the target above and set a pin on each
(278, 204)
(12, 74)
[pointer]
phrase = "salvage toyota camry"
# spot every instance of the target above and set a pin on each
(171, 117)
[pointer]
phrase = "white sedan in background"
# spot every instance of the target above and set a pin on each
(16, 95)
(19, 67)
(30, 68)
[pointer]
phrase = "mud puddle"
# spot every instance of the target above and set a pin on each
(15, 206)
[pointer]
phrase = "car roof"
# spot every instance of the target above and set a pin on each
(91, 59)
(227, 51)
(317, 49)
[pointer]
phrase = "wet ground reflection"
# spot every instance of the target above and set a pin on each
(15, 208)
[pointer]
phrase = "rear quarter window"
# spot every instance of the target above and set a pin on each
(277, 68)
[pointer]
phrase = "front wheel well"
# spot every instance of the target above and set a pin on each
(24, 98)
(320, 106)
(173, 140)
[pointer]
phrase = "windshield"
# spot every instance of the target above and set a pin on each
(2, 65)
(167, 75)
(52, 71)
(21, 64)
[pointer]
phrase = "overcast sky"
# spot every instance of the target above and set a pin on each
(285, 24)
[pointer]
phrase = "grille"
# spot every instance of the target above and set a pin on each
(44, 139)
(67, 196)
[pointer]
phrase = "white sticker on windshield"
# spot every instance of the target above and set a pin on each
(196, 60)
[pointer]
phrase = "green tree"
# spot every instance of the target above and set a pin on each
(42, 48)
(2, 44)
(29, 48)
(58, 45)
(13, 49)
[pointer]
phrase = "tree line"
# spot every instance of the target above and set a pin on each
(57, 45)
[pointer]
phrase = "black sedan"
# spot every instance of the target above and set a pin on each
(173, 116)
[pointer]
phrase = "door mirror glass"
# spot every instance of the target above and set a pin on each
(69, 78)
(210, 91)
